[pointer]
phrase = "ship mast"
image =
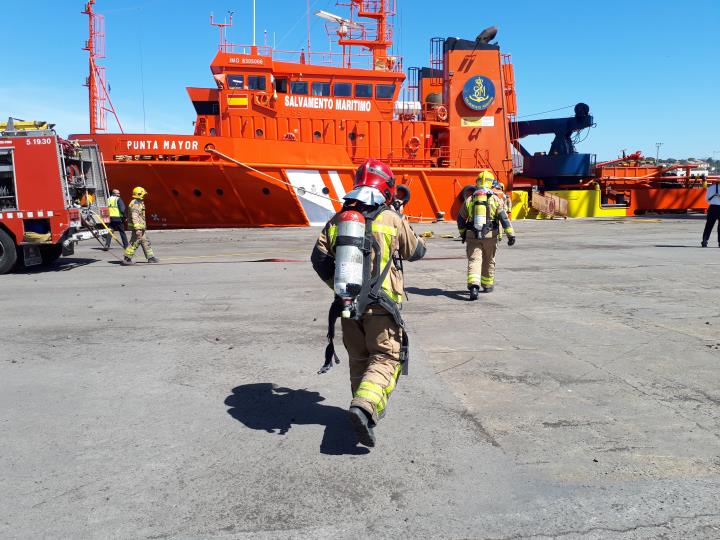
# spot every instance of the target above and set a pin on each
(98, 94)
(92, 46)
(380, 11)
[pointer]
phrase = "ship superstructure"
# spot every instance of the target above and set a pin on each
(279, 134)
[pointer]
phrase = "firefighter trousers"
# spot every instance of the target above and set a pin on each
(481, 259)
(713, 215)
(373, 346)
(139, 239)
(119, 227)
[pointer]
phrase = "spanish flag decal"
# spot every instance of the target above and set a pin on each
(238, 101)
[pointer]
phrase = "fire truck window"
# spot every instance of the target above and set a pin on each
(281, 86)
(299, 88)
(236, 81)
(7, 181)
(321, 89)
(343, 89)
(363, 90)
(256, 82)
(384, 91)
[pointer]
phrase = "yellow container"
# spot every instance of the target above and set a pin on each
(586, 203)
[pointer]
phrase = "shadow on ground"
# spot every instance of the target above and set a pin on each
(273, 409)
(454, 295)
(63, 264)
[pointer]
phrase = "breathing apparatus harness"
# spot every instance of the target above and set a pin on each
(481, 220)
(370, 292)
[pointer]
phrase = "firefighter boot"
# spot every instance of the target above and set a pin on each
(474, 292)
(361, 423)
(127, 261)
(153, 260)
(488, 289)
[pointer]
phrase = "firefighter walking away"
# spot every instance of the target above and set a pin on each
(138, 225)
(479, 221)
(359, 255)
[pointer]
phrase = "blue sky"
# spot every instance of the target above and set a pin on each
(648, 69)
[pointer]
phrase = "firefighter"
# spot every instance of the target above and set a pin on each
(479, 221)
(139, 227)
(713, 213)
(498, 188)
(373, 329)
(116, 207)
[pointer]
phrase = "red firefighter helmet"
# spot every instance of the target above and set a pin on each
(374, 173)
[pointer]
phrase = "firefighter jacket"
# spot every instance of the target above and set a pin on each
(137, 214)
(395, 238)
(116, 208)
(496, 215)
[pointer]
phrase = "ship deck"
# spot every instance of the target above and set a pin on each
(181, 400)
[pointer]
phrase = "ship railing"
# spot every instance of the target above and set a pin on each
(318, 58)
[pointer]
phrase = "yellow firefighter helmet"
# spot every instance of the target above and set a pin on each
(139, 193)
(485, 179)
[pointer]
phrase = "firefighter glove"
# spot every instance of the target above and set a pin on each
(511, 240)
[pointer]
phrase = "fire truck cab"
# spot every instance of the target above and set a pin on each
(53, 193)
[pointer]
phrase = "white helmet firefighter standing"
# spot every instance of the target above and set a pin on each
(359, 255)
(479, 221)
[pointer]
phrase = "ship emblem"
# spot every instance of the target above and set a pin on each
(478, 93)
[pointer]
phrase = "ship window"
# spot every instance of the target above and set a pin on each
(363, 90)
(256, 82)
(236, 81)
(321, 89)
(343, 89)
(299, 87)
(281, 86)
(206, 107)
(384, 91)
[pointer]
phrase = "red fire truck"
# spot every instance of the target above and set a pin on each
(53, 193)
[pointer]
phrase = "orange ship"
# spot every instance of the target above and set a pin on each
(279, 135)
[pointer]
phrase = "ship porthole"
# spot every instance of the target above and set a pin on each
(317, 134)
(266, 191)
(175, 192)
(259, 132)
(220, 192)
(197, 192)
(325, 190)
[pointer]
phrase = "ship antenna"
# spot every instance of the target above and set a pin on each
(308, 28)
(223, 46)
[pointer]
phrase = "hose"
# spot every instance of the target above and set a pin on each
(253, 169)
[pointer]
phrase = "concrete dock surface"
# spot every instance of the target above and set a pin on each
(580, 400)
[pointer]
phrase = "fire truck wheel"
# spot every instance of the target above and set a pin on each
(51, 253)
(8, 253)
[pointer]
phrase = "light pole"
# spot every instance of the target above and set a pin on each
(657, 151)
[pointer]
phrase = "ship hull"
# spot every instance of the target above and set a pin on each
(221, 183)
